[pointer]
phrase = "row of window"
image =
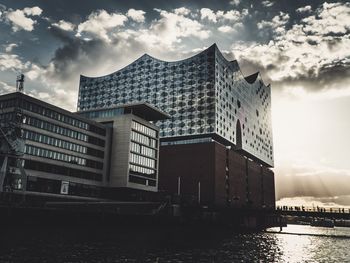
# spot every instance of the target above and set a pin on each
(143, 181)
(144, 161)
(37, 137)
(145, 130)
(53, 115)
(7, 103)
(62, 131)
(45, 153)
(103, 113)
(143, 139)
(139, 148)
(61, 117)
(174, 132)
(7, 116)
(135, 169)
(190, 141)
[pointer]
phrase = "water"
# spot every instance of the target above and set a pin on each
(316, 244)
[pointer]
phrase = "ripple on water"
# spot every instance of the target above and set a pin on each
(94, 245)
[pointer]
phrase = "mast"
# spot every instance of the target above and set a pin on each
(20, 83)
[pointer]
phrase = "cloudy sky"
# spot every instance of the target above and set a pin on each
(300, 47)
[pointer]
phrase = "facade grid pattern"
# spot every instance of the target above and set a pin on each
(204, 95)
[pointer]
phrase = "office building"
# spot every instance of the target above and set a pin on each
(134, 143)
(48, 151)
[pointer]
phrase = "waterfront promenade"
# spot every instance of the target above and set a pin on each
(320, 212)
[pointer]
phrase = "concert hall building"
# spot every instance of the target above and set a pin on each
(216, 146)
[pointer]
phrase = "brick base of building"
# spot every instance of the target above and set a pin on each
(214, 176)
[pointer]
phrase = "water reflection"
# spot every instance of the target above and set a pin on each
(176, 245)
(313, 244)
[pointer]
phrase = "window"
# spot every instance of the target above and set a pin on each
(143, 161)
(45, 153)
(144, 129)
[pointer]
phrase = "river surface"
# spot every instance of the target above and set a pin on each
(294, 244)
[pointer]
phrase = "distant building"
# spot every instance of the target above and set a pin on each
(216, 147)
(48, 151)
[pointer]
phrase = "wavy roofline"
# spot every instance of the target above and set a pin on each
(258, 77)
(157, 59)
(214, 45)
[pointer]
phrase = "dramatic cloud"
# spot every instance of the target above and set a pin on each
(33, 11)
(136, 15)
(226, 29)
(10, 47)
(277, 24)
(222, 16)
(230, 29)
(232, 15)
(99, 23)
(207, 13)
(314, 51)
(20, 20)
(267, 3)
(182, 11)
(304, 51)
(304, 9)
(35, 72)
(11, 62)
(102, 44)
(172, 26)
(235, 2)
(6, 88)
(64, 25)
(330, 20)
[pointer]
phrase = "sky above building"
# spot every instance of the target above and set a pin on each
(300, 47)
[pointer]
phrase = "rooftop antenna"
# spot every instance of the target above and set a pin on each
(20, 82)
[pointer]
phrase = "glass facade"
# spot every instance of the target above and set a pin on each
(52, 114)
(62, 144)
(57, 129)
(143, 155)
(189, 141)
(102, 113)
(144, 150)
(204, 94)
(56, 155)
(74, 146)
(143, 139)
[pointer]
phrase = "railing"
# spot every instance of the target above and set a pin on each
(318, 209)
